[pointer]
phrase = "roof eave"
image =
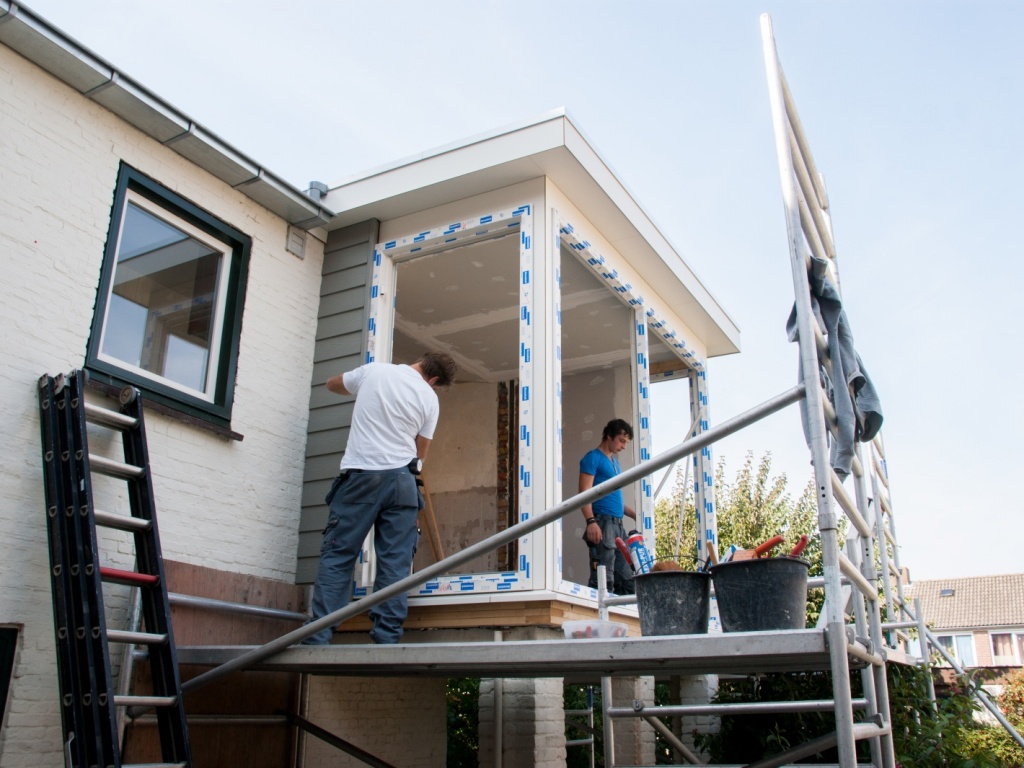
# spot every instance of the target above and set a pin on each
(548, 146)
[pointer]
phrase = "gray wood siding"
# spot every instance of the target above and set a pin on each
(340, 346)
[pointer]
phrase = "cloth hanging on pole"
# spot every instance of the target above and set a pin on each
(849, 388)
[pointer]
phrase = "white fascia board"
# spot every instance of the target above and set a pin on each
(480, 164)
(548, 146)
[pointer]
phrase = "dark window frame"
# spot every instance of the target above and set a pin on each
(217, 412)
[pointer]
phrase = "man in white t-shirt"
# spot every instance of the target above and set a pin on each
(393, 422)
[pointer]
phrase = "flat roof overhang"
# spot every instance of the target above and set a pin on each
(549, 146)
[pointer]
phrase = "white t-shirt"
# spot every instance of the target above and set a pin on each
(393, 405)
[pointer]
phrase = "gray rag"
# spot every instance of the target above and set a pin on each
(857, 407)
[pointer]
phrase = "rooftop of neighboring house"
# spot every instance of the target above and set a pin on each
(971, 602)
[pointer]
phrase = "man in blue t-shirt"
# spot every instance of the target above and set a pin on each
(604, 516)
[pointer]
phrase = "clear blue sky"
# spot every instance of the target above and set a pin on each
(913, 111)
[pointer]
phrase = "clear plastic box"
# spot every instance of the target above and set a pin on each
(577, 630)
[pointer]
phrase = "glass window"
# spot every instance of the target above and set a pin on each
(960, 647)
(169, 307)
(1006, 648)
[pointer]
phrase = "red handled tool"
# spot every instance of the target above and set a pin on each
(800, 546)
(760, 550)
(624, 549)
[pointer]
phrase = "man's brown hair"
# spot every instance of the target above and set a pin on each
(440, 365)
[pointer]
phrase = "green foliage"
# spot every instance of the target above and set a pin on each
(996, 739)
(944, 736)
(463, 696)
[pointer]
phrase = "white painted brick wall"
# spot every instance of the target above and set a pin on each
(402, 721)
(223, 504)
(533, 723)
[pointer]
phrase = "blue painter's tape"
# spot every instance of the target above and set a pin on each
(521, 210)
(486, 219)
(451, 239)
(524, 393)
(526, 480)
(526, 241)
(467, 587)
(504, 587)
(390, 244)
(524, 277)
(420, 238)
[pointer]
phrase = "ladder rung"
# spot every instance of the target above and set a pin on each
(121, 522)
(107, 418)
(128, 578)
(115, 468)
(138, 638)
(145, 701)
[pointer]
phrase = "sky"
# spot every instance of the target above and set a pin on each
(913, 111)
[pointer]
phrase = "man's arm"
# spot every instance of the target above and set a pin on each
(422, 444)
(593, 532)
(336, 384)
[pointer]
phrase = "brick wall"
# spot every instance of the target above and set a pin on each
(231, 505)
(400, 721)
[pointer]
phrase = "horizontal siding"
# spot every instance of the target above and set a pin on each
(340, 346)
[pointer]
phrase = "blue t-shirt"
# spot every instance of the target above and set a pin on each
(602, 468)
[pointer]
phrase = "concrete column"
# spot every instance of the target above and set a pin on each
(634, 738)
(532, 723)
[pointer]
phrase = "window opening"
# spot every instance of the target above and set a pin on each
(169, 307)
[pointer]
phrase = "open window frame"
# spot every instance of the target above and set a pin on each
(211, 398)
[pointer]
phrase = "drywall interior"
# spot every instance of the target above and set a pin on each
(464, 301)
(597, 331)
(461, 475)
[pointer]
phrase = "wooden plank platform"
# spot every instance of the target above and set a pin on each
(724, 653)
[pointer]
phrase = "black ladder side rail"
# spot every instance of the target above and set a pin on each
(156, 606)
(87, 694)
(87, 704)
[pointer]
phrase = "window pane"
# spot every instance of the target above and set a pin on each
(965, 650)
(163, 310)
(1002, 648)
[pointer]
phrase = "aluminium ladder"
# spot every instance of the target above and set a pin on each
(88, 701)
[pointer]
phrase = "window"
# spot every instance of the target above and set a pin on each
(960, 647)
(169, 305)
(1007, 649)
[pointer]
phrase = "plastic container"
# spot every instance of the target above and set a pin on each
(673, 602)
(579, 630)
(761, 594)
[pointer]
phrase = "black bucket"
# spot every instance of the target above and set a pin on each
(673, 602)
(761, 594)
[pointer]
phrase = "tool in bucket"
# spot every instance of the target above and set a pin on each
(801, 545)
(759, 551)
